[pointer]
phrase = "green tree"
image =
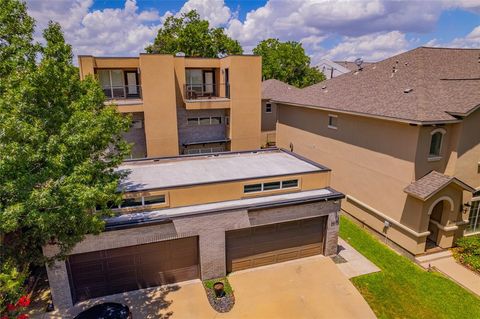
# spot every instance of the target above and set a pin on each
(194, 37)
(59, 146)
(287, 62)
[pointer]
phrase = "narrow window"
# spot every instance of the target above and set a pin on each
(271, 186)
(131, 202)
(204, 121)
(192, 121)
(290, 183)
(436, 144)
(216, 120)
(252, 188)
(268, 108)
(150, 200)
(332, 121)
(473, 225)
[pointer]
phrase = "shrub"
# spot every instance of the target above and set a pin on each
(468, 252)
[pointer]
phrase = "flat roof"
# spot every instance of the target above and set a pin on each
(188, 170)
(165, 214)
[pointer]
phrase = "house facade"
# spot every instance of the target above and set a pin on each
(183, 105)
(202, 216)
(402, 137)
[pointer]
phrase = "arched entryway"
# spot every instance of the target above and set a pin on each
(439, 208)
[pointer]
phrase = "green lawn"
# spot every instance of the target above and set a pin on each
(402, 289)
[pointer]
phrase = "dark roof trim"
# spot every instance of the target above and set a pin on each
(207, 142)
(161, 220)
(387, 118)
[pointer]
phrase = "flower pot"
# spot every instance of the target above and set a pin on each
(218, 288)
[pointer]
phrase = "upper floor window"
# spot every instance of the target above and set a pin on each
(269, 186)
(332, 121)
(119, 84)
(436, 143)
(268, 108)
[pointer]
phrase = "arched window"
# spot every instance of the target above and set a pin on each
(436, 143)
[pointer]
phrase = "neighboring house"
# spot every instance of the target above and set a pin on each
(403, 139)
(183, 105)
(333, 69)
(202, 216)
(271, 88)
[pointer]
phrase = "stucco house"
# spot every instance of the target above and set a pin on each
(402, 137)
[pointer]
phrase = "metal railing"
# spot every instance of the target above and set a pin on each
(206, 91)
(123, 92)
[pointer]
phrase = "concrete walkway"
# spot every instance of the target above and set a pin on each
(352, 263)
(446, 264)
(311, 287)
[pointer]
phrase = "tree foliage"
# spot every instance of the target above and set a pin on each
(59, 143)
(287, 62)
(194, 37)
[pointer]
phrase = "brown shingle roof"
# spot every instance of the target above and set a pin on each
(275, 89)
(443, 82)
(352, 66)
(431, 183)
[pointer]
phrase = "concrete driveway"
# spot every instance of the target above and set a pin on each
(311, 287)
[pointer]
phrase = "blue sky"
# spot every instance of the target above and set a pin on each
(335, 29)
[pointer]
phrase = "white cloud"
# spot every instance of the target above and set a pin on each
(472, 40)
(215, 11)
(116, 32)
(372, 47)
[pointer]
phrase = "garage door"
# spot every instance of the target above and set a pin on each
(118, 270)
(263, 245)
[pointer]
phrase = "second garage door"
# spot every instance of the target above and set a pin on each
(263, 245)
(118, 270)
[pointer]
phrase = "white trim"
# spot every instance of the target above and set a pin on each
(389, 219)
(334, 127)
(438, 200)
(441, 130)
(434, 158)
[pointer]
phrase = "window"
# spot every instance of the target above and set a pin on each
(268, 108)
(150, 200)
(332, 121)
(252, 188)
(269, 186)
(227, 120)
(213, 120)
(473, 225)
(436, 143)
(131, 202)
(290, 183)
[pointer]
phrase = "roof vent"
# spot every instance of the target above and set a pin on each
(180, 54)
(408, 90)
(324, 87)
(359, 63)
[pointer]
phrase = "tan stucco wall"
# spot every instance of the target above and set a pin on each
(224, 191)
(158, 88)
(245, 95)
(373, 161)
(162, 78)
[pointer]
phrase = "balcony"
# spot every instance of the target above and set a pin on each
(123, 94)
(206, 96)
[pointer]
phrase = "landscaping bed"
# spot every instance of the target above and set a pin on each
(220, 300)
(402, 289)
(467, 252)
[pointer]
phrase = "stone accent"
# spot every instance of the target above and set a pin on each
(199, 133)
(209, 227)
(211, 230)
(331, 236)
(136, 136)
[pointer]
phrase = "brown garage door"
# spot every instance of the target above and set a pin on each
(263, 245)
(118, 270)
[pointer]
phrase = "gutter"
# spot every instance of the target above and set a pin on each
(368, 115)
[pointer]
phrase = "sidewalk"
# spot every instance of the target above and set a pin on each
(446, 264)
(351, 263)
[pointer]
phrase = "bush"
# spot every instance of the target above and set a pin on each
(468, 252)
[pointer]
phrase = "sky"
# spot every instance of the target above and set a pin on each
(334, 29)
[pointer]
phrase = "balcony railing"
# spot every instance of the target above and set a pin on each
(206, 91)
(123, 92)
